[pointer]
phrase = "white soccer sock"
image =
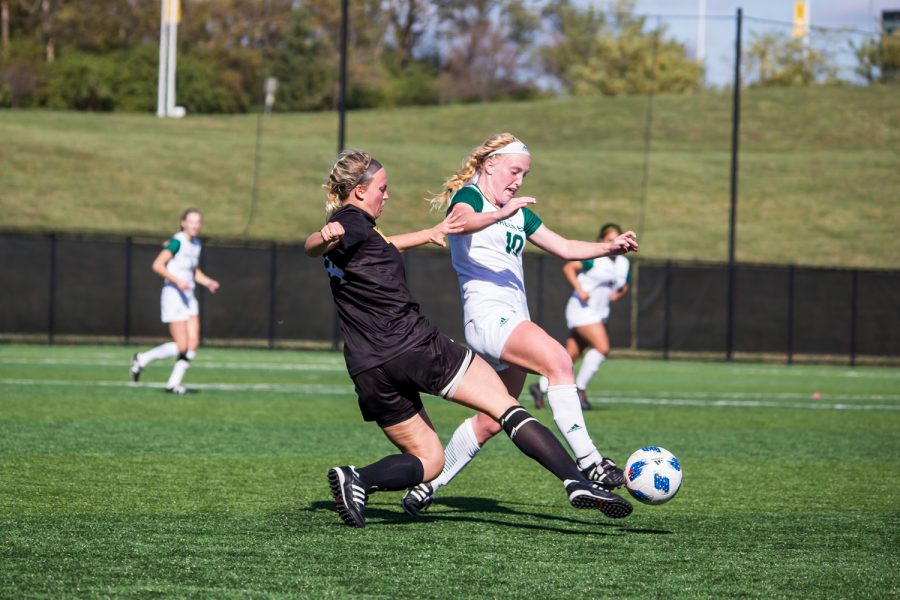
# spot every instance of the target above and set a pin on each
(590, 364)
(567, 414)
(178, 371)
(167, 350)
(544, 384)
(459, 452)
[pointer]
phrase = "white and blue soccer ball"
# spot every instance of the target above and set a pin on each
(653, 475)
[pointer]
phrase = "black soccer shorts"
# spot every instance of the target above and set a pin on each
(389, 394)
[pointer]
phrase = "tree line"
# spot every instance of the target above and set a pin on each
(73, 54)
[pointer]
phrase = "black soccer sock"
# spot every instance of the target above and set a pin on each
(539, 443)
(393, 473)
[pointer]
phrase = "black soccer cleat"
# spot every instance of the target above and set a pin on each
(582, 398)
(605, 474)
(586, 495)
(349, 495)
(538, 395)
(136, 368)
(178, 390)
(417, 499)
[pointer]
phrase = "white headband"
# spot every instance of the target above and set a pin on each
(514, 147)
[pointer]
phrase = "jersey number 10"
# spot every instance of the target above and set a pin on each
(514, 243)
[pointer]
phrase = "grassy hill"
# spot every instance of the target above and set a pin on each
(819, 176)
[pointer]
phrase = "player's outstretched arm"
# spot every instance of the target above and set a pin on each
(452, 223)
(475, 222)
(323, 240)
(550, 241)
(205, 280)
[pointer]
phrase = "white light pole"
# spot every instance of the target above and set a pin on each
(168, 42)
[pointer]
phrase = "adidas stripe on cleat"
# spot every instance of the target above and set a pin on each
(349, 495)
(605, 474)
(417, 499)
(586, 495)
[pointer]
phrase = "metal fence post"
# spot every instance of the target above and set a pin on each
(854, 305)
(790, 315)
(273, 277)
(51, 304)
(667, 309)
(129, 243)
(732, 224)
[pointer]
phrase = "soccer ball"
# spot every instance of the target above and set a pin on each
(653, 475)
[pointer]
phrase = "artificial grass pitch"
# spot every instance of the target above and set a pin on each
(109, 489)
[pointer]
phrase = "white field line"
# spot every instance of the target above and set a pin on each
(197, 365)
(337, 364)
(345, 390)
(670, 399)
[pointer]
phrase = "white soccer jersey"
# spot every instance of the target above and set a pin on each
(185, 258)
(602, 276)
(489, 262)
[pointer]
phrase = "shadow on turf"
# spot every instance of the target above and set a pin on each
(464, 510)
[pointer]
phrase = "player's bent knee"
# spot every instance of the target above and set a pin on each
(432, 465)
(560, 364)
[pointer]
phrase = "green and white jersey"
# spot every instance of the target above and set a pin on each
(599, 277)
(488, 263)
(185, 257)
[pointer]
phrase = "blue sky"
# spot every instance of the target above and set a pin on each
(719, 40)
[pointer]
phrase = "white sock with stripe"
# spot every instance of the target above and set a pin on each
(567, 414)
(461, 449)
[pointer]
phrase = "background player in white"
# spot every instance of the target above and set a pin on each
(596, 284)
(179, 265)
(487, 257)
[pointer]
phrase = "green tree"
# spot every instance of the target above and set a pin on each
(878, 59)
(306, 71)
(777, 60)
(611, 53)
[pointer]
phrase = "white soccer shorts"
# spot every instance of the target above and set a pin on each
(176, 306)
(487, 334)
(579, 315)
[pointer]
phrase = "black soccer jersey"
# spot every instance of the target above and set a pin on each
(379, 317)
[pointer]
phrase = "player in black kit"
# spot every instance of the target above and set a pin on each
(393, 352)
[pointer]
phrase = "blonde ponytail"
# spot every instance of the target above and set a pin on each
(471, 166)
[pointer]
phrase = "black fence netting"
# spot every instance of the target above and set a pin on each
(85, 286)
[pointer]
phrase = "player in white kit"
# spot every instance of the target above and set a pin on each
(596, 284)
(179, 265)
(487, 257)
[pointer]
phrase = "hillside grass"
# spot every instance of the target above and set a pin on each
(819, 177)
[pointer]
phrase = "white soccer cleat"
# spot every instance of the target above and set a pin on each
(177, 389)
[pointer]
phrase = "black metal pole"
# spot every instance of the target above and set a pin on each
(667, 314)
(273, 281)
(790, 316)
(342, 89)
(732, 223)
(854, 302)
(51, 304)
(126, 330)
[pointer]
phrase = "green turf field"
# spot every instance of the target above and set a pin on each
(109, 489)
